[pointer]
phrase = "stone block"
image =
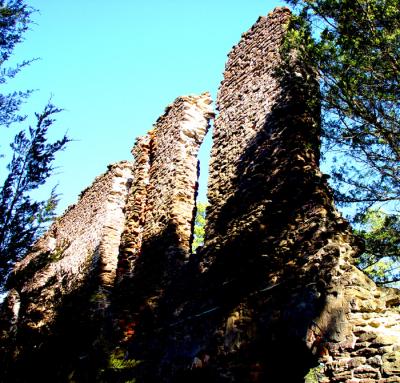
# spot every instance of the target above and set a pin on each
(391, 363)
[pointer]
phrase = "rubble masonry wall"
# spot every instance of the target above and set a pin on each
(82, 242)
(270, 205)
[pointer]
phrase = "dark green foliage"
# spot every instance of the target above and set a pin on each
(14, 21)
(22, 218)
(381, 258)
(355, 46)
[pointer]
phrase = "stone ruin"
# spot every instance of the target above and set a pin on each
(112, 292)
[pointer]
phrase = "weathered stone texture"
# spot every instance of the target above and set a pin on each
(60, 291)
(161, 203)
(252, 101)
(83, 241)
(365, 343)
(65, 291)
(272, 297)
(160, 219)
(272, 228)
(243, 108)
(174, 145)
(131, 240)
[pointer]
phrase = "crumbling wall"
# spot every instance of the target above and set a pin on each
(131, 239)
(357, 335)
(68, 275)
(106, 254)
(271, 216)
(252, 100)
(85, 238)
(159, 230)
(165, 182)
(175, 142)
(241, 309)
(272, 297)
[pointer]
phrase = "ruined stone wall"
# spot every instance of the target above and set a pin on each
(82, 242)
(161, 204)
(60, 292)
(271, 216)
(248, 101)
(131, 239)
(272, 297)
(160, 218)
(357, 335)
(175, 142)
(98, 262)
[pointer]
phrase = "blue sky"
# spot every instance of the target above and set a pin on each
(115, 65)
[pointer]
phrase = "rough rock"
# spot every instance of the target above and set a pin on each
(273, 295)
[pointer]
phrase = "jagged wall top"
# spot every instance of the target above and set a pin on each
(249, 98)
(164, 185)
(80, 244)
(273, 293)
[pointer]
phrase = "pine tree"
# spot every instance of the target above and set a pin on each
(22, 218)
(355, 47)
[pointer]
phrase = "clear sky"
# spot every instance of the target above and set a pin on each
(115, 65)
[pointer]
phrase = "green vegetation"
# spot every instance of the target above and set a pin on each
(22, 218)
(199, 225)
(118, 367)
(98, 297)
(381, 257)
(119, 361)
(355, 45)
(314, 375)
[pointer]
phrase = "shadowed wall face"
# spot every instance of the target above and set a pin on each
(273, 231)
(131, 239)
(62, 292)
(174, 145)
(265, 114)
(165, 182)
(272, 297)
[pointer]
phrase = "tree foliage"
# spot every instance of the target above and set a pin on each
(355, 46)
(14, 22)
(381, 258)
(199, 225)
(22, 218)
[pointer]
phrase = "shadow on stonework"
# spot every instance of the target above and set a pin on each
(68, 350)
(147, 304)
(239, 313)
(267, 282)
(175, 323)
